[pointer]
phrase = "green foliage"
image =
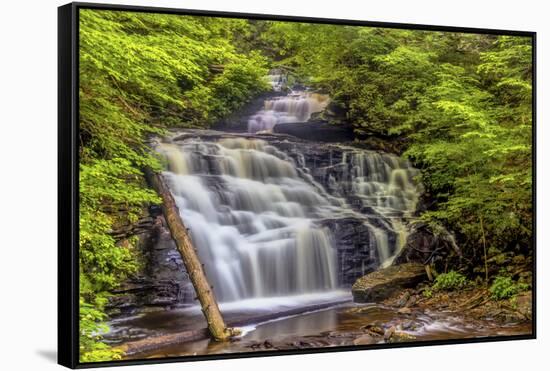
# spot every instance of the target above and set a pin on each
(240, 81)
(449, 281)
(475, 154)
(427, 293)
(462, 102)
(111, 192)
(504, 287)
(91, 328)
(141, 73)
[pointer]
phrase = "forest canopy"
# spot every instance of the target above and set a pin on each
(461, 102)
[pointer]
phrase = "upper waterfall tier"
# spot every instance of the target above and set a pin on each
(294, 106)
(297, 106)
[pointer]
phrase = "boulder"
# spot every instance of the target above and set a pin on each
(427, 247)
(383, 283)
(400, 337)
(364, 340)
(404, 310)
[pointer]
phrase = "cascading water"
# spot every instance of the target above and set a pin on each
(256, 214)
(252, 218)
(385, 183)
(297, 106)
(276, 80)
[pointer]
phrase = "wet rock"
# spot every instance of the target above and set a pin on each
(365, 340)
(363, 310)
(162, 283)
(524, 304)
(408, 325)
(356, 255)
(374, 330)
(382, 284)
(389, 333)
(404, 310)
(403, 299)
(400, 336)
(424, 246)
(412, 301)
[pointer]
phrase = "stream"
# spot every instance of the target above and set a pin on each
(284, 225)
(338, 325)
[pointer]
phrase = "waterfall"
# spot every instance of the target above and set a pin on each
(276, 80)
(252, 218)
(255, 213)
(297, 106)
(385, 184)
(384, 181)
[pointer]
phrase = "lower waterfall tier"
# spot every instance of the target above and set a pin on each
(272, 217)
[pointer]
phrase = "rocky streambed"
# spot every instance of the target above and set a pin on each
(400, 314)
(342, 325)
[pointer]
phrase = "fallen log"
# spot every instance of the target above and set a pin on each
(179, 232)
(157, 342)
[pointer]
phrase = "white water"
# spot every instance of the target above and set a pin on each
(276, 80)
(277, 303)
(253, 214)
(252, 221)
(385, 183)
(297, 106)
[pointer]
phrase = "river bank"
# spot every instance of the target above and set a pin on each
(391, 305)
(349, 324)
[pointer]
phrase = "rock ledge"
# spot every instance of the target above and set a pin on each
(380, 285)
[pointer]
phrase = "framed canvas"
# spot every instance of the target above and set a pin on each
(242, 185)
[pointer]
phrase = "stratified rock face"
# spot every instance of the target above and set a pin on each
(357, 253)
(379, 285)
(337, 168)
(163, 281)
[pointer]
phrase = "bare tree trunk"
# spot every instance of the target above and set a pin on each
(210, 309)
(429, 272)
(484, 247)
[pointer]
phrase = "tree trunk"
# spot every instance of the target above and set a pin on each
(210, 309)
(429, 272)
(484, 248)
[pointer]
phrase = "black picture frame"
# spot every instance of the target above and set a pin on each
(68, 181)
